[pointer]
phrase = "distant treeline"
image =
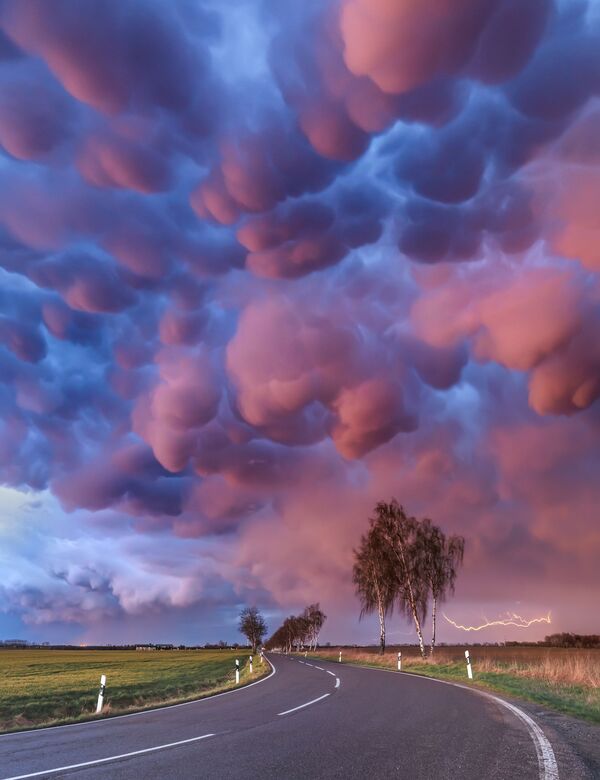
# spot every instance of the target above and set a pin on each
(573, 640)
(586, 641)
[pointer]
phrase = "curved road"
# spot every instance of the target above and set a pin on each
(357, 723)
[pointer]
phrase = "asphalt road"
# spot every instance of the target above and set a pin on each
(357, 723)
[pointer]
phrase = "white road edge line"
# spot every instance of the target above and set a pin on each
(287, 712)
(548, 768)
(100, 721)
(546, 758)
(109, 758)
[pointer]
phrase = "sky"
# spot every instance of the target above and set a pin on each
(265, 263)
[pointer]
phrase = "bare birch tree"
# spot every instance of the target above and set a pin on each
(404, 561)
(373, 578)
(399, 536)
(439, 560)
(315, 618)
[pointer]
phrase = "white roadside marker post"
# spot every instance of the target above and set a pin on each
(261, 657)
(237, 671)
(250, 664)
(101, 694)
(399, 661)
(469, 670)
(340, 658)
(306, 653)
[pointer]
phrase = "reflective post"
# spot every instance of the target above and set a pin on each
(469, 670)
(101, 694)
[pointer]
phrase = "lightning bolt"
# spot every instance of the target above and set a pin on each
(512, 619)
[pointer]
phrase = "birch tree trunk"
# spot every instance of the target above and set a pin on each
(418, 627)
(411, 599)
(381, 612)
(433, 617)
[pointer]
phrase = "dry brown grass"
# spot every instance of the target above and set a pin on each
(574, 669)
(561, 666)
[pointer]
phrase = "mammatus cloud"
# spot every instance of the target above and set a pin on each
(262, 267)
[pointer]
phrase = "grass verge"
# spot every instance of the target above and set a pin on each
(549, 682)
(54, 687)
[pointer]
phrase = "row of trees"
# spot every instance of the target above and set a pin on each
(299, 631)
(402, 563)
(572, 640)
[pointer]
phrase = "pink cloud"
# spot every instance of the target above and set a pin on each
(300, 375)
(116, 161)
(185, 398)
(262, 268)
(541, 321)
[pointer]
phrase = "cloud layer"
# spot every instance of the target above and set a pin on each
(262, 266)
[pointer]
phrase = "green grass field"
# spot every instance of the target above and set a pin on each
(47, 687)
(564, 680)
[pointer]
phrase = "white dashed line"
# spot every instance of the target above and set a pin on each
(287, 712)
(110, 758)
(337, 682)
(331, 673)
(320, 668)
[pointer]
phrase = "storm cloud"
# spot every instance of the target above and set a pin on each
(261, 266)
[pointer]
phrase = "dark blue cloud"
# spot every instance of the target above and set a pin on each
(250, 251)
